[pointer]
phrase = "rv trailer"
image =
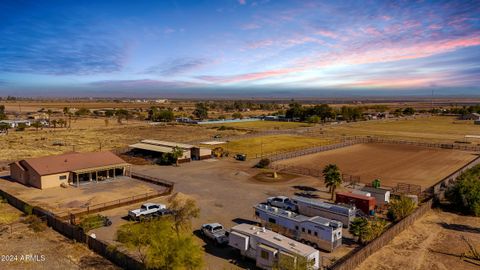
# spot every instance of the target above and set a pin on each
(311, 207)
(317, 231)
(271, 249)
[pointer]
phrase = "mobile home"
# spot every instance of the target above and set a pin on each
(310, 207)
(319, 232)
(271, 249)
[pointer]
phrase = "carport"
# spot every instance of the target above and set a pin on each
(99, 173)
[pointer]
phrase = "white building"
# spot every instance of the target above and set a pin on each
(271, 249)
(15, 123)
(316, 231)
(382, 196)
(310, 207)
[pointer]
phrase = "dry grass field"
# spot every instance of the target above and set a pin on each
(431, 129)
(263, 125)
(58, 251)
(391, 163)
(89, 134)
(432, 242)
(271, 144)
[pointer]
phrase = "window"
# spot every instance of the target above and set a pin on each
(296, 228)
(303, 229)
(315, 233)
(62, 177)
(309, 232)
(264, 255)
(257, 213)
(272, 220)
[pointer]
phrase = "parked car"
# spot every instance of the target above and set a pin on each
(241, 157)
(282, 202)
(146, 210)
(215, 232)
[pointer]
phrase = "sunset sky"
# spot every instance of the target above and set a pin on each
(255, 47)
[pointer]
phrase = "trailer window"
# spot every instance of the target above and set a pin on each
(257, 213)
(315, 233)
(264, 255)
(303, 229)
(309, 232)
(296, 228)
(272, 220)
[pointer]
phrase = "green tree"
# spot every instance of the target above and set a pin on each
(37, 125)
(409, 111)
(358, 228)
(332, 178)
(4, 127)
(201, 111)
(82, 112)
(400, 208)
(237, 115)
(465, 193)
(367, 230)
(184, 210)
(177, 153)
(3, 116)
(158, 247)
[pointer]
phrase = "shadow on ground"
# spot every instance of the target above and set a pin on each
(225, 252)
(460, 227)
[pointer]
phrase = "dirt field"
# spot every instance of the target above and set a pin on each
(391, 163)
(433, 242)
(58, 251)
(61, 200)
(273, 143)
(89, 134)
(431, 129)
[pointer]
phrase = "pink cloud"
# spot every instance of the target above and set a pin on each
(242, 2)
(358, 57)
(326, 33)
(250, 26)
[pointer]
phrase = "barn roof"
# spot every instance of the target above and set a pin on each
(72, 162)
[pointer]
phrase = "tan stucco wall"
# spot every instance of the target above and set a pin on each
(53, 180)
(18, 174)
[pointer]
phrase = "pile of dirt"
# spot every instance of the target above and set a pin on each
(268, 177)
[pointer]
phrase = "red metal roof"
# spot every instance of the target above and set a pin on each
(72, 162)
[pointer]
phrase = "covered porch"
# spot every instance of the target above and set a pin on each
(98, 174)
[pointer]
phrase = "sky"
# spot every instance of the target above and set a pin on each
(239, 47)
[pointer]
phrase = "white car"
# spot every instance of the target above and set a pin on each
(215, 232)
(282, 202)
(146, 210)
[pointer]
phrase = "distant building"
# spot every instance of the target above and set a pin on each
(470, 116)
(477, 122)
(71, 168)
(158, 148)
(161, 100)
(16, 123)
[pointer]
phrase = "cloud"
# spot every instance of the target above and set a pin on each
(58, 47)
(140, 84)
(242, 2)
(177, 66)
(250, 26)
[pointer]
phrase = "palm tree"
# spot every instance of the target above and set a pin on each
(332, 178)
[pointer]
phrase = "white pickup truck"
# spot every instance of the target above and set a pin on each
(215, 232)
(282, 202)
(146, 210)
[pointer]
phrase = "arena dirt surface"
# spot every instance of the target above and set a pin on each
(391, 163)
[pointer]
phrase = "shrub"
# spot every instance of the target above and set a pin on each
(91, 222)
(28, 209)
(367, 230)
(263, 163)
(35, 223)
(400, 208)
(465, 194)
